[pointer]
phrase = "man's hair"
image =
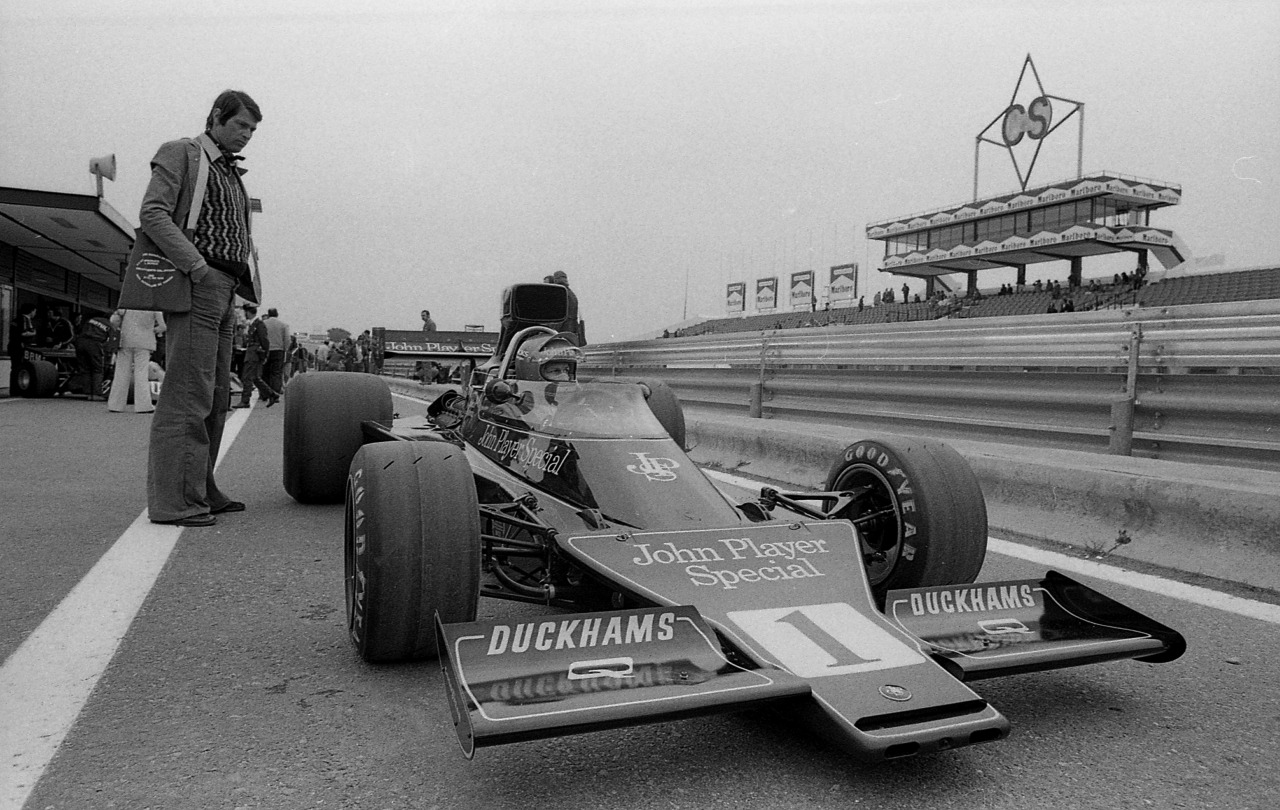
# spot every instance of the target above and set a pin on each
(227, 104)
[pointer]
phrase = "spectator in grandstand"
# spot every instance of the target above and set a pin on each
(428, 325)
(906, 293)
(875, 300)
(138, 331)
(1039, 285)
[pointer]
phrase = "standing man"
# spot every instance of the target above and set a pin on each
(138, 331)
(278, 335)
(428, 325)
(196, 210)
(255, 351)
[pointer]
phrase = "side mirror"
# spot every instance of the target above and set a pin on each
(499, 391)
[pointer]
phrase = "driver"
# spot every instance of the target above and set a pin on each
(553, 358)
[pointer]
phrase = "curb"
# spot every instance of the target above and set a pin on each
(1215, 521)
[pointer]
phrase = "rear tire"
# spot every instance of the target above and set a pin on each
(919, 511)
(37, 379)
(412, 547)
(322, 417)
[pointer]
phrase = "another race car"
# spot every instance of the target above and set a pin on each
(49, 371)
(853, 609)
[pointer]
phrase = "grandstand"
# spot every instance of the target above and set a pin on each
(1250, 284)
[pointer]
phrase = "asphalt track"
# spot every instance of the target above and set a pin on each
(155, 667)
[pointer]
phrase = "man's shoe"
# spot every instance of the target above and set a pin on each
(240, 405)
(229, 506)
(190, 520)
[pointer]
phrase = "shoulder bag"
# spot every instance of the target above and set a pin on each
(152, 282)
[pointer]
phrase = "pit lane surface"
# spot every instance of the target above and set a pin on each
(235, 686)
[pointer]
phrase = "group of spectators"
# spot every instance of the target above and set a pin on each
(347, 354)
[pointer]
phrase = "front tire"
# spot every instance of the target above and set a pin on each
(919, 511)
(323, 413)
(412, 547)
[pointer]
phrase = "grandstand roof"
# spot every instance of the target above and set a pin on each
(1141, 191)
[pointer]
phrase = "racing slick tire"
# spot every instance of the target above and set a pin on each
(322, 415)
(662, 401)
(412, 547)
(919, 512)
(37, 378)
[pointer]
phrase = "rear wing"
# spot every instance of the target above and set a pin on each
(411, 345)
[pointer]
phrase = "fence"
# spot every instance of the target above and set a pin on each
(1191, 383)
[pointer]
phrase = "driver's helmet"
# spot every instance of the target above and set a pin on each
(548, 357)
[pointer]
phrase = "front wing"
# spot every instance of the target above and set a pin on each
(791, 604)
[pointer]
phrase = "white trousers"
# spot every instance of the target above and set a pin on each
(131, 363)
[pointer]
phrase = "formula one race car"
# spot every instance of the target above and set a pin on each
(48, 372)
(853, 609)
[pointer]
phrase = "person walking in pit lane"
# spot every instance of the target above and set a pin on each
(278, 334)
(138, 331)
(256, 344)
(196, 210)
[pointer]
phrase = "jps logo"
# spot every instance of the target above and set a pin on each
(655, 469)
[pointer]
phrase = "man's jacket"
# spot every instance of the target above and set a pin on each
(255, 338)
(174, 197)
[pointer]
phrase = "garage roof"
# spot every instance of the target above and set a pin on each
(80, 232)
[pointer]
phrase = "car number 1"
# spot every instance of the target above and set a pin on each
(815, 641)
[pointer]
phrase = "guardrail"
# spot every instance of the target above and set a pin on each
(1193, 383)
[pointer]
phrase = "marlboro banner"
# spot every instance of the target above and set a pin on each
(735, 298)
(766, 294)
(844, 284)
(802, 290)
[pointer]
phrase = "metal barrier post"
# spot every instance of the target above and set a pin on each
(755, 408)
(1122, 409)
(1121, 427)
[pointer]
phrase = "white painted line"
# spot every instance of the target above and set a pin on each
(1109, 573)
(46, 682)
(1146, 582)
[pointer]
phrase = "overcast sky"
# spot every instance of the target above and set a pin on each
(418, 154)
